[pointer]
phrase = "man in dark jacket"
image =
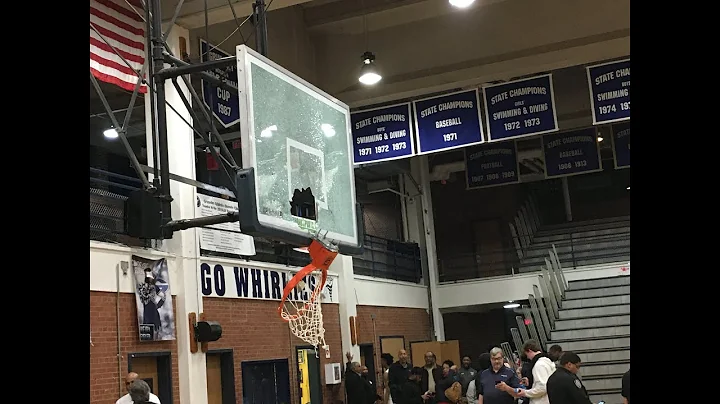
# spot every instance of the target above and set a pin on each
(358, 391)
(626, 387)
(563, 386)
(431, 368)
(410, 391)
(398, 373)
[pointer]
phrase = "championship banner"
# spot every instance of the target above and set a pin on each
(610, 91)
(488, 165)
(570, 153)
(448, 122)
(621, 144)
(520, 108)
(382, 134)
(224, 105)
(156, 320)
(256, 282)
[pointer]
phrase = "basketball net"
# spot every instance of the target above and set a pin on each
(305, 317)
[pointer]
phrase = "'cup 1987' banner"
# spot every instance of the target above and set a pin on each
(156, 320)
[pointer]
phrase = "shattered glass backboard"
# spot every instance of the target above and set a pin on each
(296, 136)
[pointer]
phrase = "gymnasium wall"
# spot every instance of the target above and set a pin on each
(251, 327)
(105, 378)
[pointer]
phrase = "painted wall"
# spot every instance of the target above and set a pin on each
(500, 289)
(250, 327)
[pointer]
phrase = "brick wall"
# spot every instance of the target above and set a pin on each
(253, 329)
(413, 324)
(104, 377)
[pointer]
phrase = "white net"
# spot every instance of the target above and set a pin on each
(305, 317)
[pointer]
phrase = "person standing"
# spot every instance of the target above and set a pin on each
(498, 382)
(356, 387)
(386, 360)
(563, 386)
(466, 373)
(433, 373)
(126, 399)
(542, 368)
(398, 373)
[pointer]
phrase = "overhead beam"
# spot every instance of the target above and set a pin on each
(342, 18)
(194, 18)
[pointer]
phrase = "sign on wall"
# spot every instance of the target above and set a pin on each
(224, 237)
(621, 144)
(448, 122)
(382, 134)
(156, 320)
(520, 108)
(224, 105)
(570, 153)
(610, 91)
(260, 283)
(492, 164)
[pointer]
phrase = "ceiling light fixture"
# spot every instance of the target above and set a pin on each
(628, 188)
(111, 133)
(511, 305)
(600, 139)
(461, 3)
(368, 72)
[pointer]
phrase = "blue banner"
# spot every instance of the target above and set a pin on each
(224, 105)
(382, 134)
(610, 91)
(621, 144)
(520, 108)
(571, 153)
(448, 122)
(487, 165)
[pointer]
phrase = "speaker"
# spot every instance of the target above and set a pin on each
(208, 331)
(143, 215)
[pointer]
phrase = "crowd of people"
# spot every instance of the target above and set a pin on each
(535, 377)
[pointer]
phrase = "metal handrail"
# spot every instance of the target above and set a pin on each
(504, 261)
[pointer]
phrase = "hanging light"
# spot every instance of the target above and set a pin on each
(461, 3)
(368, 73)
(111, 133)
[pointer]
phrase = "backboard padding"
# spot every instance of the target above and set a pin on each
(295, 135)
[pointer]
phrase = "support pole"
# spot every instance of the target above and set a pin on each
(260, 22)
(170, 59)
(566, 198)
(158, 64)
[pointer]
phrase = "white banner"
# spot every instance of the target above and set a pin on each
(224, 237)
(255, 282)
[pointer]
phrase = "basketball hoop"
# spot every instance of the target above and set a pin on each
(305, 316)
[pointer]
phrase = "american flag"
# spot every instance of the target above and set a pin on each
(124, 30)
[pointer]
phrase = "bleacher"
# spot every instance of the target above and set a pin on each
(578, 243)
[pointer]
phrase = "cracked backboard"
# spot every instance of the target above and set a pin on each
(295, 137)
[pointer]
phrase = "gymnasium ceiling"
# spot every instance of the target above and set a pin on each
(422, 47)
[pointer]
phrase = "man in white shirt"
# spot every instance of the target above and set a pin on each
(542, 368)
(129, 379)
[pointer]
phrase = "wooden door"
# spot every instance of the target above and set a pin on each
(214, 379)
(392, 345)
(146, 368)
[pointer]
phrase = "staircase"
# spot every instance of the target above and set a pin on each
(594, 322)
(583, 243)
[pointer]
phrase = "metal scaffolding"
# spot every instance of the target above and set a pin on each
(158, 53)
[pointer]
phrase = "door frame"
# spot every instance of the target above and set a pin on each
(286, 361)
(374, 362)
(227, 373)
(164, 388)
(319, 381)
